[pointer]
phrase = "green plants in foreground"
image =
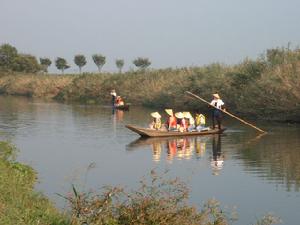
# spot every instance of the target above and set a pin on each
(156, 201)
(19, 204)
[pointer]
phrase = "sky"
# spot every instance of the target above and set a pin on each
(171, 33)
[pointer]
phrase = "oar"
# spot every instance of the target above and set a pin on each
(243, 121)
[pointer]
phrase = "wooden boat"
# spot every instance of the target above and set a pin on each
(147, 132)
(122, 107)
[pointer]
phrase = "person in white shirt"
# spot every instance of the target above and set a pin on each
(216, 114)
(113, 96)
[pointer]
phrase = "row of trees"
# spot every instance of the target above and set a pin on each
(11, 60)
(98, 59)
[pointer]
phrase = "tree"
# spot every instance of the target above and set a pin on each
(25, 63)
(142, 63)
(99, 60)
(120, 64)
(8, 54)
(45, 63)
(80, 61)
(61, 64)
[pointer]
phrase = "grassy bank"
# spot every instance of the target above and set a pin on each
(19, 204)
(157, 201)
(268, 87)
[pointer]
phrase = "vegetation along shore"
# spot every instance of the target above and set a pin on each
(157, 201)
(267, 87)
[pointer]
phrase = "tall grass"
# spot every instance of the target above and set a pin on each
(268, 87)
(157, 201)
(19, 204)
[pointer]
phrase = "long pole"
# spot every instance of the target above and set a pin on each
(241, 120)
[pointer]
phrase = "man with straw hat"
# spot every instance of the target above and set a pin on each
(156, 123)
(216, 114)
(171, 122)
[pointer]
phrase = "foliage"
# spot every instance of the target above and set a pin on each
(156, 201)
(8, 54)
(80, 61)
(142, 63)
(99, 60)
(25, 63)
(45, 63)
(19, 204)
(253, 88)
(120, 64)
(10, 60)
(61, 64)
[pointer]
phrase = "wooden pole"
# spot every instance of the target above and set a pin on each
(241, 120)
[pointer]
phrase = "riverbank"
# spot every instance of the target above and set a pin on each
(19, 204)
(157, 201)
(266, 88)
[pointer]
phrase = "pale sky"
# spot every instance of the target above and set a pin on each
(171, 33)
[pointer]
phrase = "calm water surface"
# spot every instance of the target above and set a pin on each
(89, 146)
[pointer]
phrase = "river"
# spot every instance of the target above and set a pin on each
(89, 146)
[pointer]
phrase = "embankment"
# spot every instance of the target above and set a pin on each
(264, 88)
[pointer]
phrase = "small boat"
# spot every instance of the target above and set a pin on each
(147, 132)
(122, 107)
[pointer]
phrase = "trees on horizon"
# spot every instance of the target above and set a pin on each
(99, 60)
(80, 61)
(120, 64)
(45, 63)
(61, 64)
(141, 63)
(11, 60)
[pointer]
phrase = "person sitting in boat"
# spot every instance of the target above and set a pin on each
(200, 122)
(156, 123)
(119, 101)
(190, 121)
(171, 123)
(113, 96)
(216, 113)
(181, 122)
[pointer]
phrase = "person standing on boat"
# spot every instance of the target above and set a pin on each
(172, 121)
(113, 97)
(216, 113)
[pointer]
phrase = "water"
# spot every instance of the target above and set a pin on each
(89, 146)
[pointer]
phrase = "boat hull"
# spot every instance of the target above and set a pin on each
(147, 132)
(122, 107)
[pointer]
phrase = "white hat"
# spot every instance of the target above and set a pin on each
(156, 115)
(216, 95)
(179, 115)
(187, 115)
(169, 112)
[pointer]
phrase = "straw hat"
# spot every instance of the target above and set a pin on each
(179, 115)
(187, 115)
(156, 115)
(169, 112)
(216, 95)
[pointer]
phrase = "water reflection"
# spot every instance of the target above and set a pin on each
(58, 139)
(218, 158)
(175, 148)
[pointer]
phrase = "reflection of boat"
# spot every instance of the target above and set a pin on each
(122, 107)
(175, 147)
(147, 132)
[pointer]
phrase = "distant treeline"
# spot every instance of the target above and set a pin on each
(267, 87)
(11, 60)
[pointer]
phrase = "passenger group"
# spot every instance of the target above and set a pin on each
(180, 121)
(185, 122)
